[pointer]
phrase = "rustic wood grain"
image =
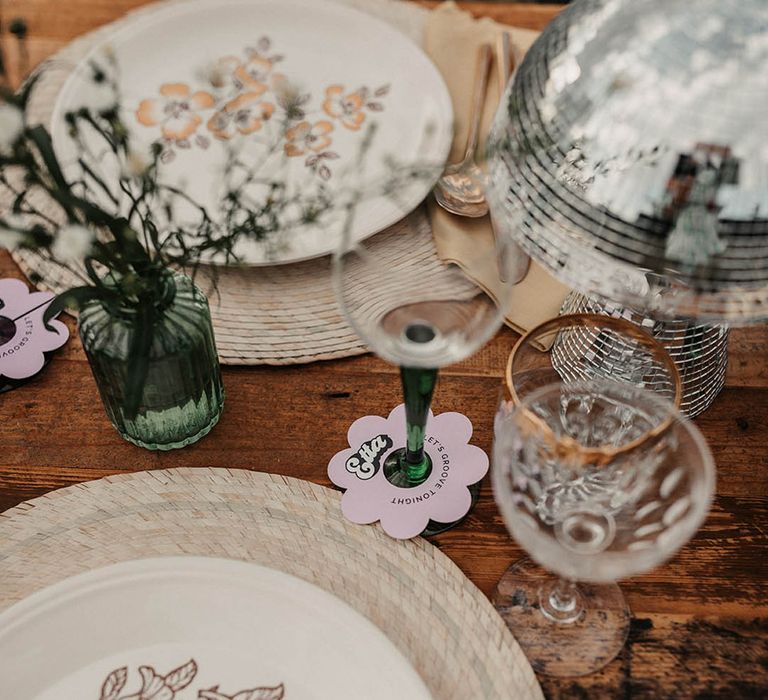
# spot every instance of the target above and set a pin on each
(517, 14)
(700, 627)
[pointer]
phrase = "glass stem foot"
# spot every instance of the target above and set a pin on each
(565, 629)
(400, 472)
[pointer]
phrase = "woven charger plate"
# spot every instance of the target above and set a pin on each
(284, 314)
(420, 599)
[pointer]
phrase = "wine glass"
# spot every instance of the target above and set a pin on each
(596, 480)
(421, 316)
(587, 346)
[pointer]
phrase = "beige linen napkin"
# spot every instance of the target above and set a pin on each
(452, 39)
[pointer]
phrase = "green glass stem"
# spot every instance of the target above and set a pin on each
(418, 387)
(411, 466)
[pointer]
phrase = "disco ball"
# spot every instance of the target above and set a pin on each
(630, 155)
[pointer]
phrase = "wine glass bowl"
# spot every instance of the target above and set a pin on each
(596, 480)
(430, 319)
(611, 519)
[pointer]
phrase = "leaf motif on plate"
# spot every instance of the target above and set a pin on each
(375, 106)
(275, 693)
(264, 693)
(182, 676)
(153, 685)
(114, 683)
(324, 172)
(383, 90)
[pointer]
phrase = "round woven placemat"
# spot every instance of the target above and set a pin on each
(420, 599)
(284, 314)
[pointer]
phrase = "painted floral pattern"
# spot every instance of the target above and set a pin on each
(305, 137)
(244, 115)
(349, 108)
(177, 111)
(155, 686)
(253, 75)
(242, 94)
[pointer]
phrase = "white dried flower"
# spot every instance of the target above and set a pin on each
(137, 162)
(12, 231)
(71, 243)
(285, 90)
(108, 51)
(213, 74)
(287, 94)
(11, 126)
(100, 97)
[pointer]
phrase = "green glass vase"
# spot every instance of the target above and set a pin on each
(182, 395)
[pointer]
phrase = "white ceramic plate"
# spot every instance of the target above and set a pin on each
(353, 69)
(184, 628)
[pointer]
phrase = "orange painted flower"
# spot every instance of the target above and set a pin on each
(346, 108)
(305, 137)
(244, 114)
(176, 110)
(253, 75)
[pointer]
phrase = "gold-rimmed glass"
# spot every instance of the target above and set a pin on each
(596, 480)
(584, 346)
(590, 346)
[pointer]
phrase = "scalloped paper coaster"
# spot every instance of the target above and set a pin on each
(24, 339)
(405, 512)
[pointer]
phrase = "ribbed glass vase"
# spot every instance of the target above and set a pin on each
(182, 397)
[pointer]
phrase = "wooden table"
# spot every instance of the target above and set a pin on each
(700, 627)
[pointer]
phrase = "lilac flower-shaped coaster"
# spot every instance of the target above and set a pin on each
(24, 339)
(405, 512)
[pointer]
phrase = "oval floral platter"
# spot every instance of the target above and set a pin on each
(207, 78)
(195, 628)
